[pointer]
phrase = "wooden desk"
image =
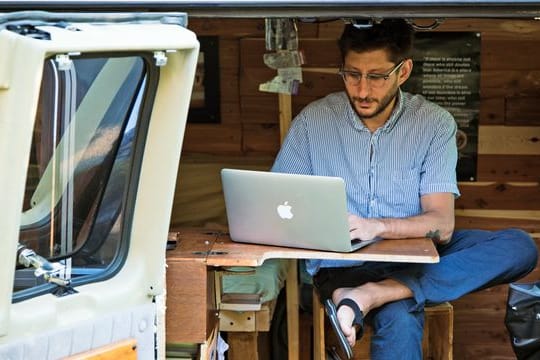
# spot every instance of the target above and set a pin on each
(191, 312)
(228, 253)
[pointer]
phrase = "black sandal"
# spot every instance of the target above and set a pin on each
(331, 311)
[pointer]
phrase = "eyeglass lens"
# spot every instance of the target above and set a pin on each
(354, 78)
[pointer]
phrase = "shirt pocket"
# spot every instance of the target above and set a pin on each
(405, 192)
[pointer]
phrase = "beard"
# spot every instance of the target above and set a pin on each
(382, 104)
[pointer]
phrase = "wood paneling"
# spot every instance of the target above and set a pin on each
(523, 110)
(506, 196)
(199, 197)
(508, 168)
(209, 138)
(496, 222)
(510, 140)
(261, 138)
(191, 310)
(499, 29)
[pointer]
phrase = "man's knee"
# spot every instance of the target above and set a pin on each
(525, 252)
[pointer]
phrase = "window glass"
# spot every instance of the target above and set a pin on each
(80, 164)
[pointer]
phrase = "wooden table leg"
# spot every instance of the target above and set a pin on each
(293, 322)
(318, 328)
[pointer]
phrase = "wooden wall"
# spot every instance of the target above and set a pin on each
(507, 192)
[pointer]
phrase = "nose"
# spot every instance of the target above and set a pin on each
(362, 89)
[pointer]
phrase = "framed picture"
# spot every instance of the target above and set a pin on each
(204, 106)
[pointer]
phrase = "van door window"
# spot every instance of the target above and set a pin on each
(80, 165)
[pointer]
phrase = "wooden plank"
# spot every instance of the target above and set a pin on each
(229, 86)
(199, 197)
(523, 111)
(230, 113)
(243, 345)
(191, 310)
(122, 350)
(237, 321)
(492, 111)
(187, 299)
(507, 29)
(251, 52)
(250, 78)
(495, 28)
(259, 109)
(285, 115)
(511, 55)
(261, 138)
(239, 28)
(487, 223)
(293, 302)
(319, 345)
(229, 94)
(419, 250)
(509, 82)
(499, 196)
(440, 331)
(229, 53)
(226, 27)
(506, 168)
(264, 109)
(516, 140)
(240, 302)
(318, 84)
(213, 138)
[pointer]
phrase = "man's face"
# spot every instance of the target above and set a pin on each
(373, 96)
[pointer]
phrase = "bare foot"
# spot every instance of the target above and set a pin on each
(345, 314)
(368, 296)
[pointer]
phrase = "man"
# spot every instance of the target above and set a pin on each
(397, 154)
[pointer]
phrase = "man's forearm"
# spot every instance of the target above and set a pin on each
(433, 225)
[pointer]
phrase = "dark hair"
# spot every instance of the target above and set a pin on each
(394, 35)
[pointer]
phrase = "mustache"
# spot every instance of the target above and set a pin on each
(359, 99)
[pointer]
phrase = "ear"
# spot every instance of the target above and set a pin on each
(405, 71)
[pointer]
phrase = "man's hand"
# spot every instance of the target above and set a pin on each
(436, 221)
(364, 229)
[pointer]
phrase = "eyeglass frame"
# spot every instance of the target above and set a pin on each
(370, 76)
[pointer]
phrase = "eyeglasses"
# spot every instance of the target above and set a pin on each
(353, 78)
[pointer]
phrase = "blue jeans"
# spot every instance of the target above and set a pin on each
(472, 260)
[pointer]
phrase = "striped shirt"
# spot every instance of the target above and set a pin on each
(385, 172)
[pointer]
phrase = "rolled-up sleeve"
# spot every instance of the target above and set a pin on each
(438, 172)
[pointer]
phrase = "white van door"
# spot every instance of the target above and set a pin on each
(93, 108)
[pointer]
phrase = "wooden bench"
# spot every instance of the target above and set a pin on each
(437, 340)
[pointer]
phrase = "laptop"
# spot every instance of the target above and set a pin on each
(301, 211)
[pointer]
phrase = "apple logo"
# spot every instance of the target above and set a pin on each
(284, 211)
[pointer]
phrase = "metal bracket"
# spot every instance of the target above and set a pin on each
(161, 58)
(64, 61)
(49, 271)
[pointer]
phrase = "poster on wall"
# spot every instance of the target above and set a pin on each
(447, 71)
